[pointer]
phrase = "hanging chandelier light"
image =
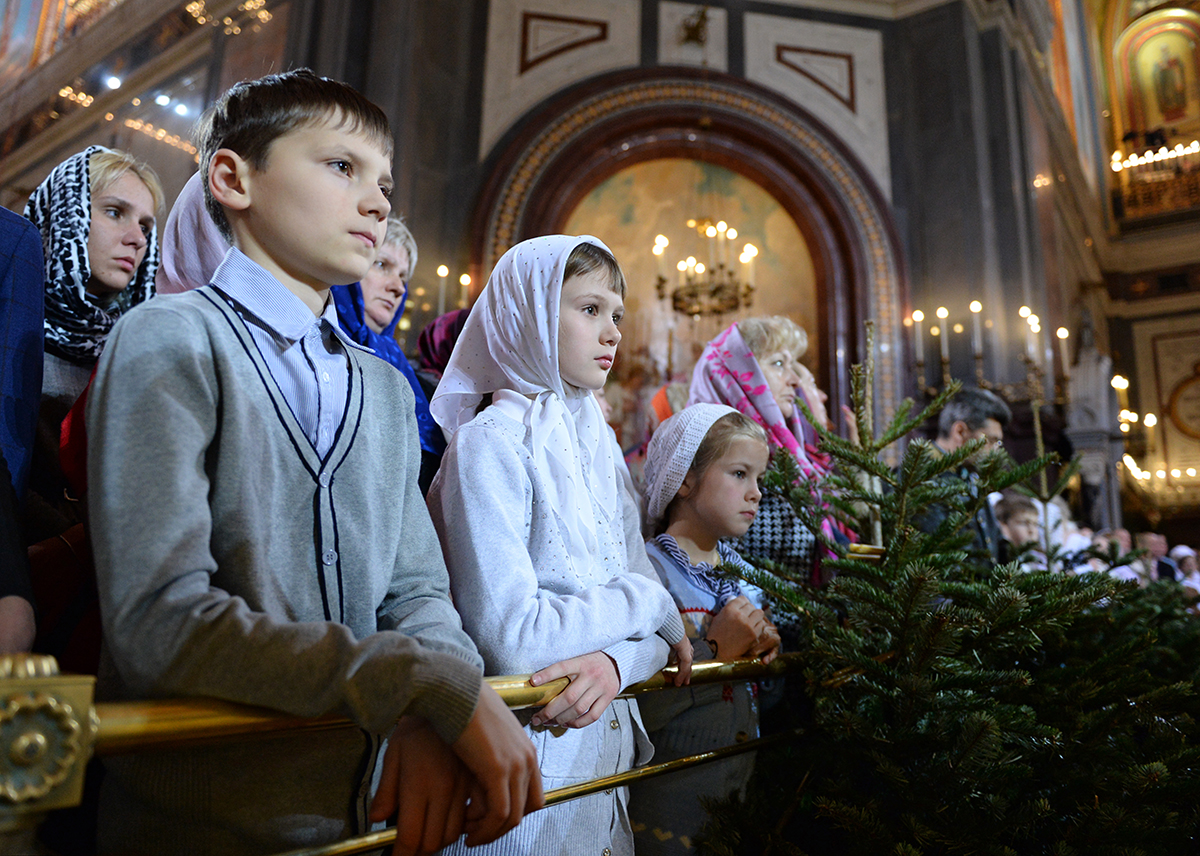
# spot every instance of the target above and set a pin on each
(707, 288)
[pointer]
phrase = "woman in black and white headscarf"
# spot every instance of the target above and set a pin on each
(96, 212)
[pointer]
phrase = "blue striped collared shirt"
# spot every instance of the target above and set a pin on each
(305, 354)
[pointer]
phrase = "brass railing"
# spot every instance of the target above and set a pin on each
(49, 728)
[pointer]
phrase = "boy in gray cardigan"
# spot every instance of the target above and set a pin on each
(258, 531)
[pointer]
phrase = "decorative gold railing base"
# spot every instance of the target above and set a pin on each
(47, 727)
(375, 840)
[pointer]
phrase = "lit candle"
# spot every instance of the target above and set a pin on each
(682, 268)
(1121, 385)
(976, 329)
(1063, 334)
(710, 233)
(465, 282)
(442, 273)
(662, 262)
(721, 248)
(918, 316)
(943, 313)
(751, 253)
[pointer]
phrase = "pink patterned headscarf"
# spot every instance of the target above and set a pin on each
(729, 373)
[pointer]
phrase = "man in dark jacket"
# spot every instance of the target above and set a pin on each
(973, 414)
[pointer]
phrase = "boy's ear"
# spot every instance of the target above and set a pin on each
(227, 178)
(685, 489)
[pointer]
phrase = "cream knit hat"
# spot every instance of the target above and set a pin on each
(671, 450)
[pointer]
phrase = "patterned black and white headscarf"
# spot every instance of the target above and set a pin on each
(61, 208)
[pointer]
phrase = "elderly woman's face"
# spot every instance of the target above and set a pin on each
(384, 285)
(119, 233)
(779, 368)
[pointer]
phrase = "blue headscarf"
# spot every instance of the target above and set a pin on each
(352, 315)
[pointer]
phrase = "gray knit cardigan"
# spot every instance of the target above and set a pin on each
(234, 562)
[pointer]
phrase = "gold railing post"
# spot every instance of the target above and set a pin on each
(47, 727)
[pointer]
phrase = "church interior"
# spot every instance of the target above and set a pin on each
(1007, 190)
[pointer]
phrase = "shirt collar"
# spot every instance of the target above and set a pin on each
(269, 300)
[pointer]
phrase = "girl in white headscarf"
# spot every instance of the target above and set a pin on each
(702, 470)
(541, 539)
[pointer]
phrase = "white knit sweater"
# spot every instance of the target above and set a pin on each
(525, 610)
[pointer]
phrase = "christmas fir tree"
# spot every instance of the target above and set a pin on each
(949, 706)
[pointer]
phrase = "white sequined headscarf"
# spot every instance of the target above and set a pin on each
(509, 348)
(671, 451)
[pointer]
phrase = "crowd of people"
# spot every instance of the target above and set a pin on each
(283, 511)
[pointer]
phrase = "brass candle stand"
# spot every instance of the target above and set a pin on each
(932, 391)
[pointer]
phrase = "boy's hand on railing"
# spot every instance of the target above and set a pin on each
(594, 684)
(508, 783)
(425, 786)
(681, 653)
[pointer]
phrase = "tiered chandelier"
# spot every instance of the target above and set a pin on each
(711, 288)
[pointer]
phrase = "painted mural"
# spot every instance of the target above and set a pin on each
(1158, 68)
(628, 210)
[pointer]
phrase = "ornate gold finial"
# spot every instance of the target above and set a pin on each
(28, 666)
(47, 727)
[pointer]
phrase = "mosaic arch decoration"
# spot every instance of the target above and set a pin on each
(530, 156)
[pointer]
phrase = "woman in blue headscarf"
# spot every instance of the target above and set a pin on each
(369, 311)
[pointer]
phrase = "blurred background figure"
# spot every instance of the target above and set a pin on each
(435, 345)
(192, 245)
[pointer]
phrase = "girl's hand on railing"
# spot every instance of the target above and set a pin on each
(425, 786)
(594, 684)
(766, 648)
(681, 656)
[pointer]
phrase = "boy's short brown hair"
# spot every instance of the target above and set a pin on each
(254, 113)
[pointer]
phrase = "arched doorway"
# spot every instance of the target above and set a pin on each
(543, 168)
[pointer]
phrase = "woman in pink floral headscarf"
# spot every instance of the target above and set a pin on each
(753, 366)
